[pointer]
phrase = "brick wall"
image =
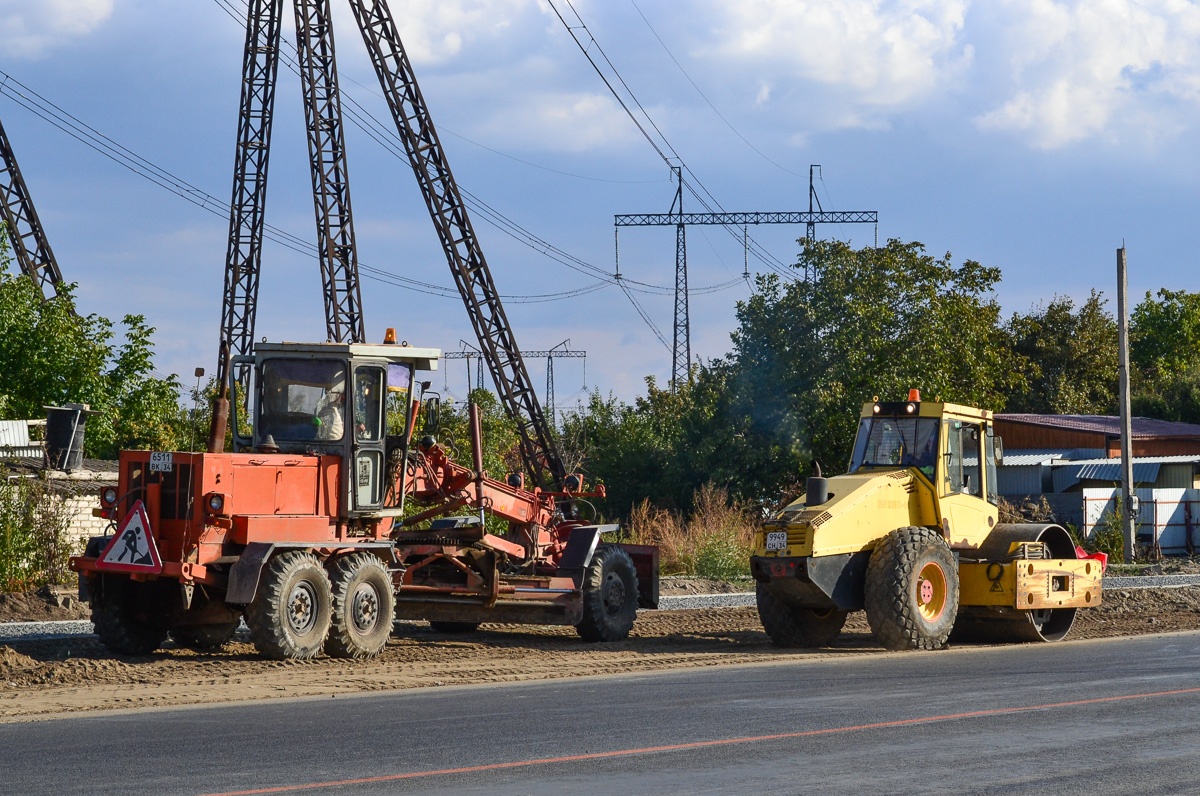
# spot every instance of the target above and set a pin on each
(83, 525)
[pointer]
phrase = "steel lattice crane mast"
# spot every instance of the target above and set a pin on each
(331, 186)
(335, 229)
(25, 233)
(243, 259)
(467, 263)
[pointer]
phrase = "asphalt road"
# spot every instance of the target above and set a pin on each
(1103, 717)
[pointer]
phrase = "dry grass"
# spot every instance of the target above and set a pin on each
(714, 541)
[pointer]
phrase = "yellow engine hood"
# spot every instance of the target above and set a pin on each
(862, 508)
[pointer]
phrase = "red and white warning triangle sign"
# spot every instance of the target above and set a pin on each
(132, 549)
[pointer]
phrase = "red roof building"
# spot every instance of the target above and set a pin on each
(1150, 437)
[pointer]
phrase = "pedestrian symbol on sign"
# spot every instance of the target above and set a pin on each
(132, 549)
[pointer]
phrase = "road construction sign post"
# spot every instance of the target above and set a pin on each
(132, 549)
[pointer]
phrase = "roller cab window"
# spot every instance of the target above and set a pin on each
(963, 458)
(897, 442)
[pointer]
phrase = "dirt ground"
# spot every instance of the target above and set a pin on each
(44, 605)
(47, 677)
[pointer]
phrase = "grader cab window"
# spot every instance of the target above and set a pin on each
(368, 403)
(303, 400)
(963, 458)
(399, 388)
(897, 442)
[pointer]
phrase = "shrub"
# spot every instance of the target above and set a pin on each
(714, 541)
(1109, 535)
(33, 534)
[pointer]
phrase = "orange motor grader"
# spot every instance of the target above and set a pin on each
(322, 528)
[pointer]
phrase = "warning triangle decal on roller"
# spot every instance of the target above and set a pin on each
(132, 549)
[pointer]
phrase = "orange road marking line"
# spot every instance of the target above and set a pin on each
(699, 744)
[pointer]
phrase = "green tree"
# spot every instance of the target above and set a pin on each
(50, 356)
(1164, 333)
(1068, 356)
(1164, 340)
(501, 454)
(807, 354)
(871, 322)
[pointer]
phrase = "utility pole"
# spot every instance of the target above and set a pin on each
(560, 351)
(681, 354)
(810, 230)
(1128, 498)
(468, 353)
(681, 351)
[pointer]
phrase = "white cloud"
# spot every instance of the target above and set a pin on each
(1076, 70)
(434, 31)
(561, 122)
(881, 53)
(29, 29)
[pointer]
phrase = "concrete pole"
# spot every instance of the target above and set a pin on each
(1127, 494)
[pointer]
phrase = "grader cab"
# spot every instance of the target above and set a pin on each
(911, 534)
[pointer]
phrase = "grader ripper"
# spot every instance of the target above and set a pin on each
(910, 534)
(307, 531)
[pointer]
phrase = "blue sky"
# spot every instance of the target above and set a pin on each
(1027, 134)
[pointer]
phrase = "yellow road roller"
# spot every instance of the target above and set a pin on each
(911, 534)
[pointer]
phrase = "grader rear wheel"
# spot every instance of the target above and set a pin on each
(912, 590)
(790, 626)
(290, 615)
(363, 607)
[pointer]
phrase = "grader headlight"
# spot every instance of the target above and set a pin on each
(215, 503)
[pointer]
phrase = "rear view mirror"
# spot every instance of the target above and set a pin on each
(432, 420)
(999, 445)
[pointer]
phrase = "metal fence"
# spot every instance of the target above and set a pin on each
(1166, 517)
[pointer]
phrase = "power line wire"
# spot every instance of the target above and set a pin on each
(658, 145)
(387, 137)
(704, 96)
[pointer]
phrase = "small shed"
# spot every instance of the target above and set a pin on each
(20, 439)
(1029, 472)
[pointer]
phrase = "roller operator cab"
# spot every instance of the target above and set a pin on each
(911, 534)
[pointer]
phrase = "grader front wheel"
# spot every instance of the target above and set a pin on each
(912, 590)
(789, 626)
(610, 596)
